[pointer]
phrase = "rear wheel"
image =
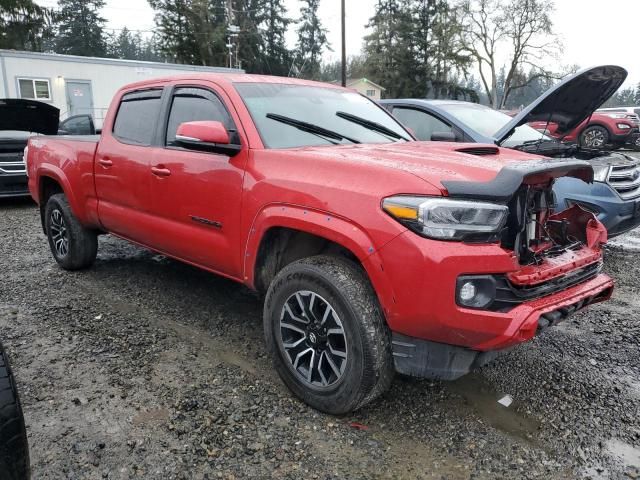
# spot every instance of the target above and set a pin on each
(14, 450)
(326, 334)
(594, 137)
(73, 246)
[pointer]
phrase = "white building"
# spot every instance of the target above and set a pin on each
(75, 84)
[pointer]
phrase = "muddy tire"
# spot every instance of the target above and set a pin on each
(73, 246)
(326, 334)
(594, 137)
(14, 450)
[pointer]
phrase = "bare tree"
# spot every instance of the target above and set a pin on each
(514, 33)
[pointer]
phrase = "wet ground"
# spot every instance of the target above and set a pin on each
(142, 367)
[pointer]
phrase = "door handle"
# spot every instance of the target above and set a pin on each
(105, 162)
(160, 171)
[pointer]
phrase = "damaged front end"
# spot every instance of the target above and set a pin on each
(554, 251)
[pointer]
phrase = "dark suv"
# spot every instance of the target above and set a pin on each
(20, 119)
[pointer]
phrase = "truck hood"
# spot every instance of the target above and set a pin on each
(28, 116)
(571, 101)
(462, 170)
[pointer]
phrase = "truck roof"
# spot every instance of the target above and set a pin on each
(230, 78)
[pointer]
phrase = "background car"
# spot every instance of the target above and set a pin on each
(20, 119)
(615, 194)
(601, 130)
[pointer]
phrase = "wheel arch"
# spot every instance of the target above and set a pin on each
(48, 185)
(282, 234)
(52, 180)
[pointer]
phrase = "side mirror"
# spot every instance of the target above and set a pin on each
(443, 137)
(206, 136)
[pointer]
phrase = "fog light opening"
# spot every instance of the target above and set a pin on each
(477, 291)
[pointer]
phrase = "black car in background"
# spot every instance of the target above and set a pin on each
(20, 119)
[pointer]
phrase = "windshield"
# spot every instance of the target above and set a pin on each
(487, 122)
(343, 117)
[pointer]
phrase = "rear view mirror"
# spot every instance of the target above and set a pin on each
(443, 137)
(208, 136)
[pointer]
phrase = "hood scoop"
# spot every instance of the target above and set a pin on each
(479, 151)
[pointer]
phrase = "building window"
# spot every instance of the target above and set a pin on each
(35, 89)
(371, 93)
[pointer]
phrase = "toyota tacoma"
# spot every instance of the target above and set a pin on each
(375, 253)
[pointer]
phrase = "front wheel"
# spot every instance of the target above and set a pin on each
(594, 137)
(14, 449)
(326, 334)
(73, 246)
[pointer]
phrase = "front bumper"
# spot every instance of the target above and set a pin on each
(617, 215)
(423, 275)
(624, 137)
(426, 359)
(13, 185)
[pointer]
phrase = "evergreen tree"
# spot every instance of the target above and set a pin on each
(383, 47)
(192, 31)
(125, 45)
(248, 15)
(24, 25)
(636, 100)
(80, 28)
(312, 41)
(276, 57)
(414, 49)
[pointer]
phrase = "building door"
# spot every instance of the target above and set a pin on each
(79, 97)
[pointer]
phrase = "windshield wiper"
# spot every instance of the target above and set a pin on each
(376, 127)
(310, 128)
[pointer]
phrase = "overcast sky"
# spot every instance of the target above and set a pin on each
(592, 31)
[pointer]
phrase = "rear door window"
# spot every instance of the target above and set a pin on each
(192, 104)
(422, 123)
(137, 116)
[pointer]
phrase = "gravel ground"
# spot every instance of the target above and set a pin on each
(142, 367)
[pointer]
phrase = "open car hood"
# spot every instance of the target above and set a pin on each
(28, 116)
(571, 101)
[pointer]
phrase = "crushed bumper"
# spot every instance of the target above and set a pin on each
(529, 318)
(426, 359)
(420, 301)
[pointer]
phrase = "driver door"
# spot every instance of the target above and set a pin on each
(196, 195)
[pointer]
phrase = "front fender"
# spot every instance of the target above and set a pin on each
(322, 224)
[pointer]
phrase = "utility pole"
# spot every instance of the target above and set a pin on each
(344, 47)
(232, 38)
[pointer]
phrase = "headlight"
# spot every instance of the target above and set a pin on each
(623, 126)
(600, 173)
(616, 115)
(448, 219)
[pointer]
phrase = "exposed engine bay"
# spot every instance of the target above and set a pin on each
(535, 234)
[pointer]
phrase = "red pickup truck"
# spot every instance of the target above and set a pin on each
(376, 253)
